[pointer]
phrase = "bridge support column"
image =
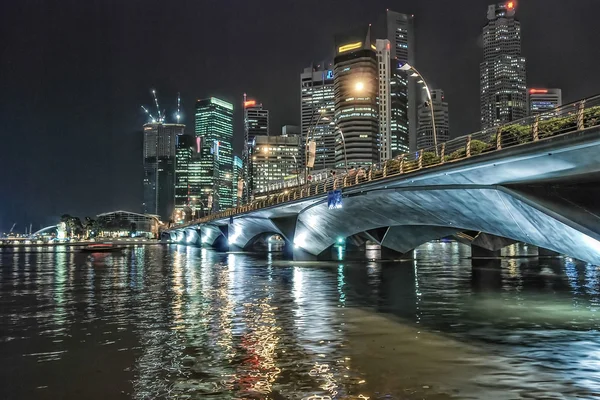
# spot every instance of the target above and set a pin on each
(478, 252)
(390, 254)
(299, 254)
(542, 252)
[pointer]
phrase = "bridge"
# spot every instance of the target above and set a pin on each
(534, 180)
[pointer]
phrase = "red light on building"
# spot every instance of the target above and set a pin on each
(510, 5)
(249, 103)
(534, 91)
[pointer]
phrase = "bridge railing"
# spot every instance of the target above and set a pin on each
(572, 117)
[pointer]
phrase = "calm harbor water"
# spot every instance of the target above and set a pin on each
(182, 322)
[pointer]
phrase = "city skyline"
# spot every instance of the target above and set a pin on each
(101, 99)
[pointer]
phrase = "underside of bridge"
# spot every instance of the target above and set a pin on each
(547, 197)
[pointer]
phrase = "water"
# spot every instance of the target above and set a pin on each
(183, 322)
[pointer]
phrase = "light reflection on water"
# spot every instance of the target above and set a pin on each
(177, 321)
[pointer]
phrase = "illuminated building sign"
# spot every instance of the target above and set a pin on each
(350, 46)
(329, 75)
(541, 91)
(249, 103)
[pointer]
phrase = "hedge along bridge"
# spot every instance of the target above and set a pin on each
(534, 180)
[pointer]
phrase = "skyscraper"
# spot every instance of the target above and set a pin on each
(274, 159)
(543, 99)
(317, 107)
(503, 87)
(214, 129)
(160, 140)
(187, 156)
(356, 108)
(404, 95)
(238, 173)
(442, 121)
(256, 123)
(385, 134)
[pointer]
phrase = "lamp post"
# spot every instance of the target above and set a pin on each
(408, 67)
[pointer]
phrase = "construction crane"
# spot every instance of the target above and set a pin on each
(178, 115)
(160, 116)
(12, 228)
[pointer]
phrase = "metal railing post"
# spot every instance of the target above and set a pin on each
(370, 173)
(385, 169)
(345, 180)
(401, 166)
(536, 126)
(420, 158)
(499, 138)
(469, 146)
(443, 153)
(580, 110)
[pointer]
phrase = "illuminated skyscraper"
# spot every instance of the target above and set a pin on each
(356, 109)
(186, 162)
(160, 141)
(238, 173)
(442, 121)
(503, 87)
(256, 123)
(274, 159)
(213, 184)
(543, 99)
(404, 95)
(317, 106)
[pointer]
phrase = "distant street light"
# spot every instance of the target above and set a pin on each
(407, 67)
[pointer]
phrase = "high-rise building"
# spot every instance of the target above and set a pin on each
(290, 130)
(238, 173)
(356, 108)
(187, 178)
(543, 99)
(317, 111)
(214, 129)
(256, 123)
(385, 134)
(160, 141)
(502, 72)
(442, 121)
(404, 95)
(275, 158)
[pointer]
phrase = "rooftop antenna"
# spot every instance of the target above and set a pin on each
(178, 115)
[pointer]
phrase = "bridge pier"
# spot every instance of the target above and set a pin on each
(548, 253)
(390, 254)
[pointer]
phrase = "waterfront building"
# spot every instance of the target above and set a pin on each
(126, 224)
(442, 121)
(503, 93)
(274, 159)
(211, 178)
(317, 111)
(404, 95)
(256, 124)
(356, 109)
(385, 134)
(541, 100)
(159, 148)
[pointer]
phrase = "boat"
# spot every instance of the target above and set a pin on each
(102, 248)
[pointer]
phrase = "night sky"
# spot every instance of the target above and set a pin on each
(73, 75)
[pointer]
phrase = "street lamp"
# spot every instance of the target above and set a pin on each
(345, 154)
(408, 67)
